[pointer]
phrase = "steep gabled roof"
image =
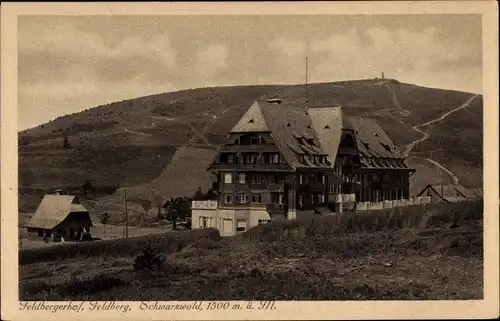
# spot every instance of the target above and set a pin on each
(53, 210)
(453, 192)
(328, 123)
(372, 140)
(251, 121)
(287, 123)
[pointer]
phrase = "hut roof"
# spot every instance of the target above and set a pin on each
(53, 210)
(453, 192)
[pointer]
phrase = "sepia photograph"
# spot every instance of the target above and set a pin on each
(249, 157)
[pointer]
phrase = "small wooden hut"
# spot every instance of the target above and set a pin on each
(61, 216)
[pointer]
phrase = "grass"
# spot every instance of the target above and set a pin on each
(432, 252)
(102, 144)
(167, 242)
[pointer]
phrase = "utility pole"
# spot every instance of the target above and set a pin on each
(126, 213)
(442, 187)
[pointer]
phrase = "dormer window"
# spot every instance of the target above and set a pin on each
(288, 125)
(301, 158)
(251, 121)
(327, 127)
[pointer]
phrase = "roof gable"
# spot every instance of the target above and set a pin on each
(372, 140)
(288, 123)
(251, 121)
(328, 123)
(53, 210)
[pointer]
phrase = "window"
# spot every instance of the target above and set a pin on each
(257, 198)
(257, 179)
(249, 158)
(266, 158)
(227, 198)
(275, 158)
(261, 222)
(242, 198)
(260, 140)
(228, 178)
(277, 198)
(241, 178)
(301, 158)
(203, 222)
(241, 225)
(301, 179)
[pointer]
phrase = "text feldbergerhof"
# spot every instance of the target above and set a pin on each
(42, 306)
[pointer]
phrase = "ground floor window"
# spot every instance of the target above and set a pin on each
(206, 221)
(227, 198)
(241, 225)
(261, 222)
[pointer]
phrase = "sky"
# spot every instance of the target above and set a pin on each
(70, 63)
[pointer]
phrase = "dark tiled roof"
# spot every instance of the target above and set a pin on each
(372, 140)
(287, 123)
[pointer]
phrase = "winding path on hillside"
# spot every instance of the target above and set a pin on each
(425, 135)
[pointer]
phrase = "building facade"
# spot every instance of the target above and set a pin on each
(281, 160)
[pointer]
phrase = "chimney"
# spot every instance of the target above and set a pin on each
(274, 101)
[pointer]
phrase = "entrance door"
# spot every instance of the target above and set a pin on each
(227, 227)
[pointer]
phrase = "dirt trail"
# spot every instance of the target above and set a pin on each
(426, 134)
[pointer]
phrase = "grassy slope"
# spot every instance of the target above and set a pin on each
(408, 255)
(131, 142)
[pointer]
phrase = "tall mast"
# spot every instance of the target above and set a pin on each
(307, 95)
(307, 63)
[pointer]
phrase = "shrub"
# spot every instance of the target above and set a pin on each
(147, 260)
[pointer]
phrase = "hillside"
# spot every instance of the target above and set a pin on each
(131, 142)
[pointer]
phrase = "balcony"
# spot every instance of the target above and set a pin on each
(312, 187)
(344, 198)
(275, 208)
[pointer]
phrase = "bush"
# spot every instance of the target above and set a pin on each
(147, 260)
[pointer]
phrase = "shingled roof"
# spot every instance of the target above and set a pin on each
(53, 210)
(372, 140)
(293, 131)
(328, 123)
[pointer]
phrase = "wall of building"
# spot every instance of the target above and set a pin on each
(227, 219)
(365, 206)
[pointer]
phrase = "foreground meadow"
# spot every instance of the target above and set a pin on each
(423, 252)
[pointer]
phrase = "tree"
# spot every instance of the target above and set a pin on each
(157, 201)
(199, 196)
(178, 208)
(66, 143)
(104, 221)
(87, 187)
(143, 198)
